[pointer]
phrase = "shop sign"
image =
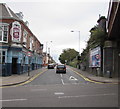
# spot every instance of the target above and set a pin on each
(16, 31)
(95, 57)
(29, 54)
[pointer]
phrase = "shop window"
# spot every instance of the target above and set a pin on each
(3, 57)
(3, 32)
(24, 60)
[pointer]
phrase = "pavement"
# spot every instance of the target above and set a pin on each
(94, 78)
(18, 79)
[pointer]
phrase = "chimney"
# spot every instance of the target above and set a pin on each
(20, 15)
(27, 23)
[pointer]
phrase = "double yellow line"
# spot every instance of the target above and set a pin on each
(26, 82)
(93, 81)
(34, 77)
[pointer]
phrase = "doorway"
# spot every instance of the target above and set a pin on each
(119, 64)
(14, 65)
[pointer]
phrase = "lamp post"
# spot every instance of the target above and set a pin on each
(78, 57)
(78, 40)
(47, 46)
(48, 50)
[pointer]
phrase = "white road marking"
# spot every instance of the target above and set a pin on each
(75, 83)
(13, 100)
(87, 95)
(59, 93)
(38, 89)
(61, 75)
(73, 78)
(62, 81)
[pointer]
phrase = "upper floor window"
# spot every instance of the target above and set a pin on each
(3, 32)
(25, 33)
(31, 43)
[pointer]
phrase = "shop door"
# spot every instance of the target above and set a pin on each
(14, 65)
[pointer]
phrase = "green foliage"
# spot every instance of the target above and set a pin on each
(74, 63)
(68, 55)
(97, 37)
(84, 55)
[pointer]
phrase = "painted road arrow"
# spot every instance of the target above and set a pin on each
(73, 78)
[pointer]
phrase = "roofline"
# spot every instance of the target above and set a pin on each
(3, 3)
(8, 10)
(16, 18)
(11, 18)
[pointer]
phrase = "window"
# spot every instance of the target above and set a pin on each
(24, 59)
(3, 32)
(3, 56)
(24, 38)
(31, 43)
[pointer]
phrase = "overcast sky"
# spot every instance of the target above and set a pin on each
(53, 20)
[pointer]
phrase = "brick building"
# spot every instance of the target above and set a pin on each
(20, 50)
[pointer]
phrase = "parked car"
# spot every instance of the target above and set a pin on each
(51, 66)
(61, 68)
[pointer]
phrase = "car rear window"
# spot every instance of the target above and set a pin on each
(50, 65)
(61, 66)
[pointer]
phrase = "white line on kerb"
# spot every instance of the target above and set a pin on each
(62, 81)
(13, 100)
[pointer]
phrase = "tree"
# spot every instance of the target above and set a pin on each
(97, 37)
(68, 55)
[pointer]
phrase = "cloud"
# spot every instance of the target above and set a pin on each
(53, 21)
(77, 1)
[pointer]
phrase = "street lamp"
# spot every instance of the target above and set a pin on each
(78, 57)
(49, 50)
(78, 40)
(47, 46)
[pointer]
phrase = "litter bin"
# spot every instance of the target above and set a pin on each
(109, 74)
(4, 71)
(98, 71)
(83, 68)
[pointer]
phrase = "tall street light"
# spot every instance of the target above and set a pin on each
(78, 57)
(47, 49)
(78, 40)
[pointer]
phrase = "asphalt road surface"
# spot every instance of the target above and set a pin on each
(60, 90)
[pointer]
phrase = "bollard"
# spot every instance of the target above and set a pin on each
(109, 73)
(98, 71)
(28, 70)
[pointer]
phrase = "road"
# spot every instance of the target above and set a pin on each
(60, 90)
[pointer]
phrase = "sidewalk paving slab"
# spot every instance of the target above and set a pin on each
(96, 78)
(17, 79)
